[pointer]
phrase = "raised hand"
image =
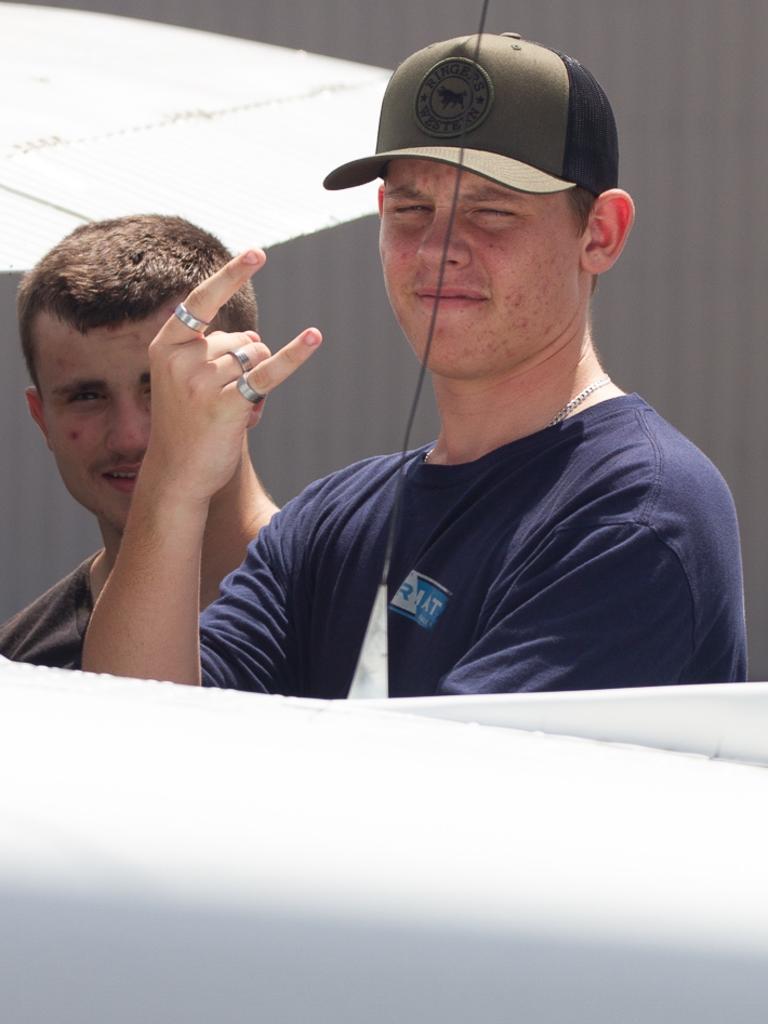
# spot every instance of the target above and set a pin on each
(203, 400)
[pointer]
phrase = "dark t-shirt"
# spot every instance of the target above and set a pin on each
(602, 552)
(51, 630)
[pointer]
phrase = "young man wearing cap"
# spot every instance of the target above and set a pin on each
(87, 313)
(558, 534)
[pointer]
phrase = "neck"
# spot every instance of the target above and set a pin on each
(235, 516)
(479, 416)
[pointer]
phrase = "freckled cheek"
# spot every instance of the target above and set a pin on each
(394, 271)
(397, 251)
(76, 438)
(397, 277)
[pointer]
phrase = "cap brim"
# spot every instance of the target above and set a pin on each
(501, 169)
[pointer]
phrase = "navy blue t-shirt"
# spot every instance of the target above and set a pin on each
(601, 552)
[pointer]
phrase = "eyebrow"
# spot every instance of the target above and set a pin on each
(78, 385)
(403, 192)
(88, 384)
(493, 193)
(479, 194)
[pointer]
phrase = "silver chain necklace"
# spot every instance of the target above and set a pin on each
(574, 402)
(567, 408)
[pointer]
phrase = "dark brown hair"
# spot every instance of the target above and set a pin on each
(113, 271)
(582, 202)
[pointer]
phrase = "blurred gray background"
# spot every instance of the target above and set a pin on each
(681, 319)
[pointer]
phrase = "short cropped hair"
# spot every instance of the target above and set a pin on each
(581, 202)
(114, 271)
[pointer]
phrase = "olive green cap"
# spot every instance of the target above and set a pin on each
(511, 110)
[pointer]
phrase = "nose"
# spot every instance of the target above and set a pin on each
(128, 428)
(443, 238)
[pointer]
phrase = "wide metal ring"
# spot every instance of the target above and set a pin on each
(245, 389)
(242, 357)
(189, 319)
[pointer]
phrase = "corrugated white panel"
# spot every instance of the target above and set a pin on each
(111, 116)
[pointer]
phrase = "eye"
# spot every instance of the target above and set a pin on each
(85, 396)
(412, 208)
(491, 212)
(405, 205)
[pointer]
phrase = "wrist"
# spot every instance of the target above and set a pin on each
(163, 486)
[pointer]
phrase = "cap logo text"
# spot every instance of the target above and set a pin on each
(454, 97)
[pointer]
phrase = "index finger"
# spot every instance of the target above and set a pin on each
(207, 298)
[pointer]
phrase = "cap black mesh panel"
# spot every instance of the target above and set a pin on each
(591, 143)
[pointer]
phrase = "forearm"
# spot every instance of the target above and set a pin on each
(145, 622)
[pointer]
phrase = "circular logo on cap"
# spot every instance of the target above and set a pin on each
(454, 97)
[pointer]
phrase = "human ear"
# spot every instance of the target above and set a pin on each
(381, 199)
(610, 221)
(36, 411)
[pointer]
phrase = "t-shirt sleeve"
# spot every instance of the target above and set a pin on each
(291, 618)
(606, 608)
(50, 631)
(245, 635)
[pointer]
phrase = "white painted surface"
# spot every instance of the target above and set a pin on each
(104, 116)
(187, 856)
(728, 720)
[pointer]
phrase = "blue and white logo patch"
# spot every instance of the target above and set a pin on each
(420, 599)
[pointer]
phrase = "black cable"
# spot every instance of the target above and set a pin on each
(395, 513)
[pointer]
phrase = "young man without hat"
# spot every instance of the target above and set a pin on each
(558, 534)
(87, 313)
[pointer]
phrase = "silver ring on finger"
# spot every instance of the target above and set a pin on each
(189, 319)
(245, 389)
(242, 357)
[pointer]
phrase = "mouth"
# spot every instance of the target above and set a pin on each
(450, 297)
(122, 480)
